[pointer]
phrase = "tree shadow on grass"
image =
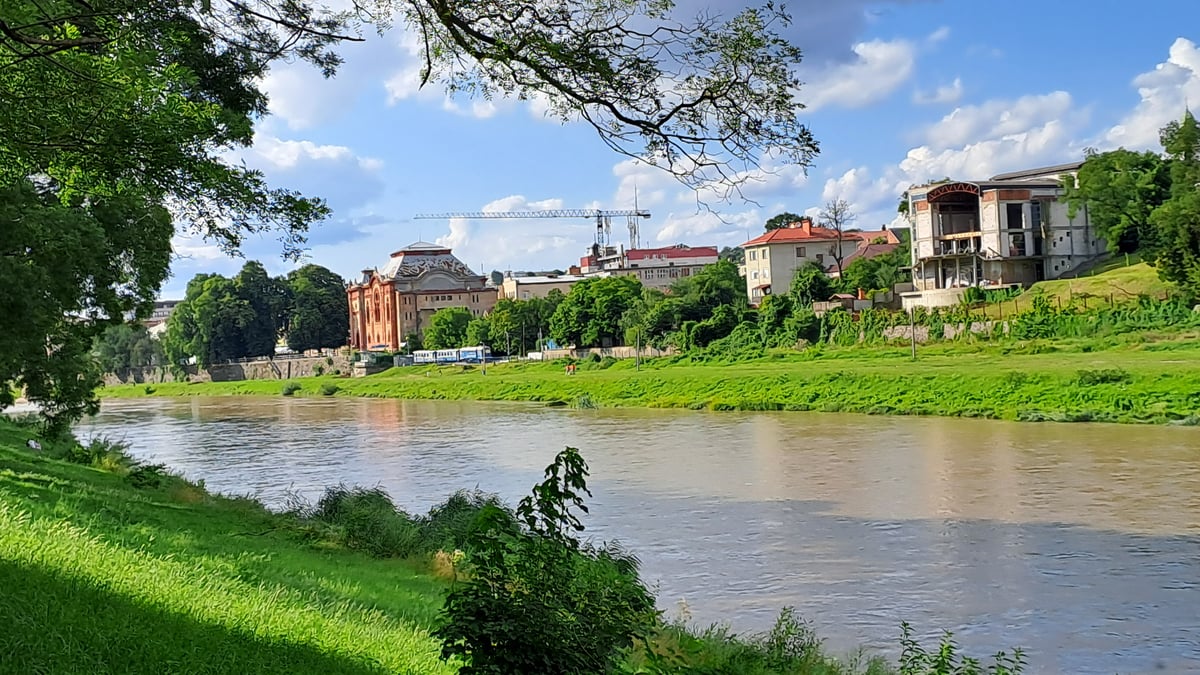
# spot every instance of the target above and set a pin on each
(52, 624)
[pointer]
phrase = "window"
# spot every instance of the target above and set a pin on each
(765, 252)
(1035, 213)
(820, 258)
(801, 252)
(754, 255)
(1016, 216)
(754, 274)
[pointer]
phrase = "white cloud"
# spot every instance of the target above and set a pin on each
(938, 35)
(1164, 92)
(1046, 143)
(997, 118)
(288, 154)
(878, 69)
(949, 93)
(521, 243)
(863, 192)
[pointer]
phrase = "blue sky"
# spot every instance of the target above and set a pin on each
(898, 92)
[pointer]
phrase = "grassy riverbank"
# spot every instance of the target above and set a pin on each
(102, 576)
(1133, 382)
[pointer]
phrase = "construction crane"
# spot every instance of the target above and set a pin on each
(603, 218)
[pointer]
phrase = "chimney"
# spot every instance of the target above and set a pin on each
(862, 295)
(806, 225)
(573, 269)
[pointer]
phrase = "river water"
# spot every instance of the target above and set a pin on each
(1080, 543)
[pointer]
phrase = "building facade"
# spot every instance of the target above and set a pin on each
(539, 286)
(656, 268)
(391, 303)
(773, 257)
(660, 267)
(1013, 229)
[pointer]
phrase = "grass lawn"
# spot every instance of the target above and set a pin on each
(102, 577)
(1142, 382)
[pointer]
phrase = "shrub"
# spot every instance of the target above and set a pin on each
(538, 602)
(319, 370)
(148, 389)
(595, 357)
(147, 475)
(450, 525)
(291, 388)
(1103, 376)
(947, 660)
(99, 451)
(367, 520)
(585, 402)
(329, 389)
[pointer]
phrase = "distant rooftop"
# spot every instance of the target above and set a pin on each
(1054, 170)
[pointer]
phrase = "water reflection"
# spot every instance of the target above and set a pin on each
(1079, 542)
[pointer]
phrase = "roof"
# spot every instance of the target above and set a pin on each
(421, 257)
(798, 235)
(556, 279)
(1039, 172)
(668, 252)
(871, 235)
(868, 251)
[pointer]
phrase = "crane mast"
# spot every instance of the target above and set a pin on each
(603, 218)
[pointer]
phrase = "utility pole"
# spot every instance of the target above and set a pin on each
(912, 332)
(637, 350)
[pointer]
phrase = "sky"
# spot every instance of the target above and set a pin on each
(896, 93)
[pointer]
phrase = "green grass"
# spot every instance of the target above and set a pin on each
(99, 576)
(1029, 381)
(1112, 282)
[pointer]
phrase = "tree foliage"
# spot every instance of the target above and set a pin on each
(126, 346)
(590, 315)
(734, 254)
(319, 316)
(810, 284)
(781, 220)
(1177, 220)
(447, 328)
(1120, 189)
(70, 271)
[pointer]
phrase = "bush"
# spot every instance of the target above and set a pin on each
(329, 389)
(947, 660)
(148, 389)
(1103, 376)
(148, 475)
(318, 370)
(450, 525)
(537, 602)
(367, 520)
(291, 388)
(99, 451)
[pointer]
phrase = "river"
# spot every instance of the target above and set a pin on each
(1080, 543)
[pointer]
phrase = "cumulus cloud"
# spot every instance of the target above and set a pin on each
(949, 93)
(997, 118)
(1164, 92)
(880, 67)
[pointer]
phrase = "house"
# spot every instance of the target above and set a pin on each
(1013, 229)
(772, 258)
(391, 303)
(871, 244)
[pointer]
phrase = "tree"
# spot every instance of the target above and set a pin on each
(837, 216)
(810, 284)
(210, 324)
(781, 220)
(479, 332)
(320, 312)
(734, 254)
(269, 301)
(1177, 220)
(70, 271)
(1119, 190)
(591, 313)
(126, 346)
(447, 328)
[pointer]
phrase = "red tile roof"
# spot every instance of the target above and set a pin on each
(788, 235)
